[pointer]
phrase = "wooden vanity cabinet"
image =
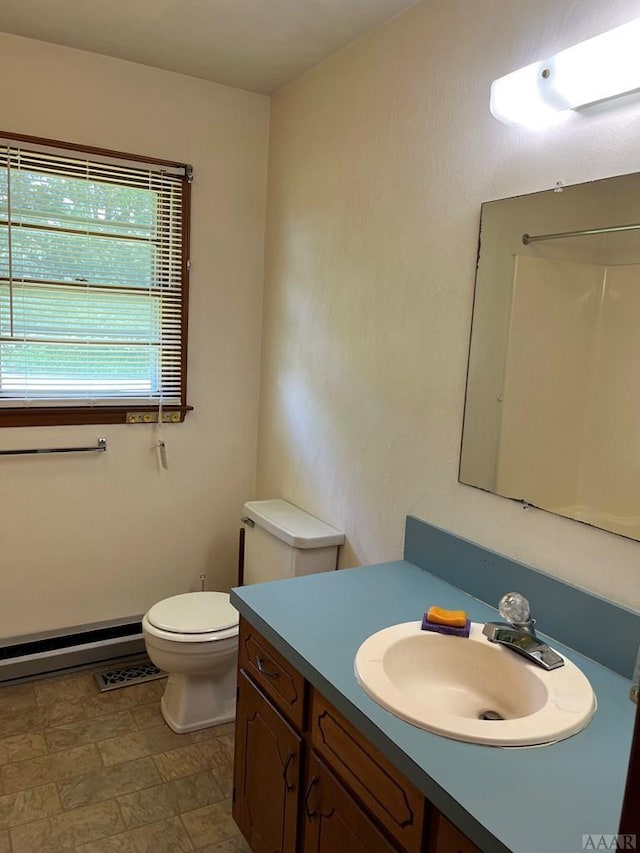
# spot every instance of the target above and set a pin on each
(446, 838)
(306, 780)
(267, 765)
(273, 674)
(334, 820)
(384, 792)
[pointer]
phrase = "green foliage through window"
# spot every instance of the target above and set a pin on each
(90, 280)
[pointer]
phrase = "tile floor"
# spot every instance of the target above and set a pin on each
(95, 772)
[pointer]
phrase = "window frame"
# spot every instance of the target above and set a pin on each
(88, 413)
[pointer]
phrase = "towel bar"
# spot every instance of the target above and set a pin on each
(101, 446)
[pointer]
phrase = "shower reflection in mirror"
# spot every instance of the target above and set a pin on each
(552, 416)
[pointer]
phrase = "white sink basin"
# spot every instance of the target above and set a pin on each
(444, 684)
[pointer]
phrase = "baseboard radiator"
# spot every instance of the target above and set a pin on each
(41, 654)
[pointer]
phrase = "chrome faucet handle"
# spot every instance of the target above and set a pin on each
(518, 633)
(514, 608)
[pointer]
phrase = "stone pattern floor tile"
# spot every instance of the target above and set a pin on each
(108, 782)
(50, 768)
(148, 716)
(224, 777)
(16, 697)
(65, 688)
(210, 824)
(37, 718)
(167, 836)
(237, 844)
(88, 731)
(215, 731)
(169, 799)
(147, 742)
(122, 699)
(25, 806)
(187, 760)
(21, 747)
(68, 829)
(153, 740)
(122, 843)
(89, 772)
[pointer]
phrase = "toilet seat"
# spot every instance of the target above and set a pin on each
(193, 617)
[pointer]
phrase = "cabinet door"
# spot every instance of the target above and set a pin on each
(448, 839)
(385, 793)
(333, 820)
(266, 773)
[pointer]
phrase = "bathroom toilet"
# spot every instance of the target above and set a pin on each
(194, 636)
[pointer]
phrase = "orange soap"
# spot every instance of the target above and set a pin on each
(452, 618)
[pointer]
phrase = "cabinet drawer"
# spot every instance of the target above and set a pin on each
(391, 799)
(275, 675)
(447, 839)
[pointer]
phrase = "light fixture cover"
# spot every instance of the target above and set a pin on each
(595, 70)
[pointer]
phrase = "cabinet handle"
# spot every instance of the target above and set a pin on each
(285, 771)
(310, 812)
(261, 669)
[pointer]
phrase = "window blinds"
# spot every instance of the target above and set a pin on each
(91, 280)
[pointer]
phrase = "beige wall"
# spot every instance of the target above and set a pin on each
(379, 162)
(88, 538)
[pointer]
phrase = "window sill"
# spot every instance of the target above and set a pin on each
(68, 415)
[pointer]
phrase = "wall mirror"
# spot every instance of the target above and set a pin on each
(552, 411)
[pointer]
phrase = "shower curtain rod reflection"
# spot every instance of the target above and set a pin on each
(534, 238)
(101, 446)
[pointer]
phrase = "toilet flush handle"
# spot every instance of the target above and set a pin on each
(248, 521)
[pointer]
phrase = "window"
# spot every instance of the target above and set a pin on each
(93, 284)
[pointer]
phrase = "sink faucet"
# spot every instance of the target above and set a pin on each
(518, 632)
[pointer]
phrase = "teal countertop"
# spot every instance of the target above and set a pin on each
(523, 800)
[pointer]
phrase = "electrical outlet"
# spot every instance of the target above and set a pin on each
(152, 417)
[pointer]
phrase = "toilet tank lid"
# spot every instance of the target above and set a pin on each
(293, 525)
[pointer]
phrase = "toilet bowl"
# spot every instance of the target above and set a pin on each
(194, 637)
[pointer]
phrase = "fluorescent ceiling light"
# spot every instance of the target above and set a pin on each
(595, 70)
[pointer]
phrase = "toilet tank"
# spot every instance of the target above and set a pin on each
(283, 541)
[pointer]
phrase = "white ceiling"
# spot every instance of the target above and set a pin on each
(252, 44)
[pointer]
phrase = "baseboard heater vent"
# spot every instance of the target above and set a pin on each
(136, 673)
(22, 657)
